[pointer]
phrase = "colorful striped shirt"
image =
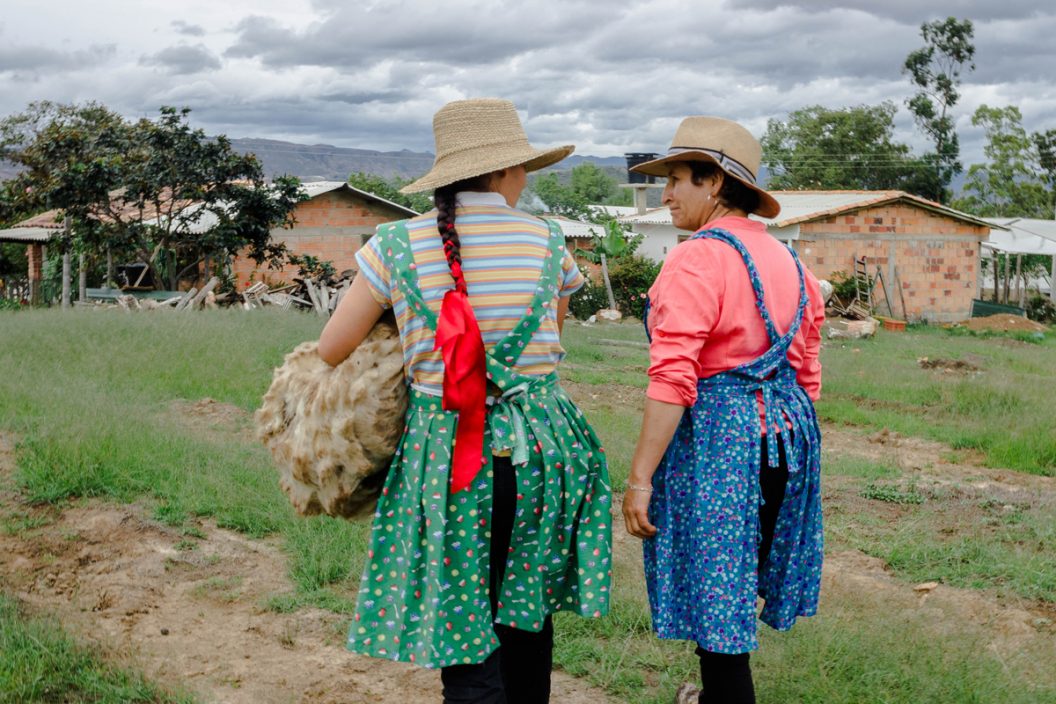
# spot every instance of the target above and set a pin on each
(503, 252)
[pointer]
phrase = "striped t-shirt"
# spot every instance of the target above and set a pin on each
(503, 252)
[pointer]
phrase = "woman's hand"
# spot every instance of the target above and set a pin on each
(636, 513)
(659, 422)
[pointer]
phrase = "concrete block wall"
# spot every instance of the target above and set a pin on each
(331, 226)
(937, 257)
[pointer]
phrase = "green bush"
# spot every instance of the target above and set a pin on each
(1041, 309)
(631, 278)
(843, 286)
(588, 300)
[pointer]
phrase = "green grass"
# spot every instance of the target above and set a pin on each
(91, 397)
(1004, 411)
(39, 663)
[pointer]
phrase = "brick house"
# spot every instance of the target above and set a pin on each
(335, 221)
(332, 225)
(932, 250)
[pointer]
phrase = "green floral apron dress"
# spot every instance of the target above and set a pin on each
(424, 592)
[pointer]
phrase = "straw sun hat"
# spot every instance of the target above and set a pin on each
(722, 142)
(475, 137)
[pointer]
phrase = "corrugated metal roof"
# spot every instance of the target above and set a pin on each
(29, 234)
(1023, 236)
(804, 206)
(577, 228)
(318, 188)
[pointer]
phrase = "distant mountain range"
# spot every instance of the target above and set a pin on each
(324, 162)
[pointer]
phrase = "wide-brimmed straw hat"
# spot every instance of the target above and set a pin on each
(478, 136)
(722, 142)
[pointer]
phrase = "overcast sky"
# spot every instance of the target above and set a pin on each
(608, 76)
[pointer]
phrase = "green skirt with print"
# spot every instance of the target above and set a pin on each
(424, 594)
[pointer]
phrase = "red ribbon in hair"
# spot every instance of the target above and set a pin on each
(465, 383)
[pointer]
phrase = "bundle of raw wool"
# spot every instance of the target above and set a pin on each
(334, 430)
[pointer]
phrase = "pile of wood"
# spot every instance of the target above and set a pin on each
(320, 294)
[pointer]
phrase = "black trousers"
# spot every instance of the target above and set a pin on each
(518, 672)
(727, 679)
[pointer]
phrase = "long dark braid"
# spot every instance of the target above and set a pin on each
(445, 201)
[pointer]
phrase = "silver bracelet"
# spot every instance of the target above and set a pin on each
(635, 487)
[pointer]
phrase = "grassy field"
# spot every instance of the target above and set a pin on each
(98, 401)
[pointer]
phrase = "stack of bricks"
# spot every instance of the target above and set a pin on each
(937, 257)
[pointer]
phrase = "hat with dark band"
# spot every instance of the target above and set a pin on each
(723, 142)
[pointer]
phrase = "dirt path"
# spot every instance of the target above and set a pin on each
(193, 618)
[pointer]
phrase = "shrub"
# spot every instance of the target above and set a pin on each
(843, 286)
(588, 300)
(1041, 309)
(631, 278)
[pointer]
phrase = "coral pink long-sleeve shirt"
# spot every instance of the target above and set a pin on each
(703, 318)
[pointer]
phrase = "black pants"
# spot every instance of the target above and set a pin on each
(518, 672)
(727, 679)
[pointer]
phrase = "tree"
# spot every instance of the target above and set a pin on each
(1045, 142)
(853, 148)
(1011, 183)
(587, 185)
(390, 190)
(154, 190)
(935, 70)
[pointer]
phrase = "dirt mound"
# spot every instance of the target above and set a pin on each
(1003, 322)
(947, 365)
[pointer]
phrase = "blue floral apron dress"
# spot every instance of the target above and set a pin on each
(702, 568)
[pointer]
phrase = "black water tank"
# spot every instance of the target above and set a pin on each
(635, 158)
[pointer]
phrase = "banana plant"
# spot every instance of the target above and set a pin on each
(612, 246)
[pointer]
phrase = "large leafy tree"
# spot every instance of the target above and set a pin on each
(586, 185)
(846, 148)
(1011, 182)
(935, 70)
(154, 190)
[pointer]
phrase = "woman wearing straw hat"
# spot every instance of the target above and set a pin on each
(724, 483)
(496, 510)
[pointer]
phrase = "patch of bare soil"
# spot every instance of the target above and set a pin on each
(1003, 322)
(610, 396)
(187, 611)
(934, 461)
(1011, 628)
(948, 365)
(212, 416)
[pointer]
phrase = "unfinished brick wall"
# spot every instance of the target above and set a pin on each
(332, 226)
(936, 257)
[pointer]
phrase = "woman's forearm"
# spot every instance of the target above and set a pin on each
(659, 422)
